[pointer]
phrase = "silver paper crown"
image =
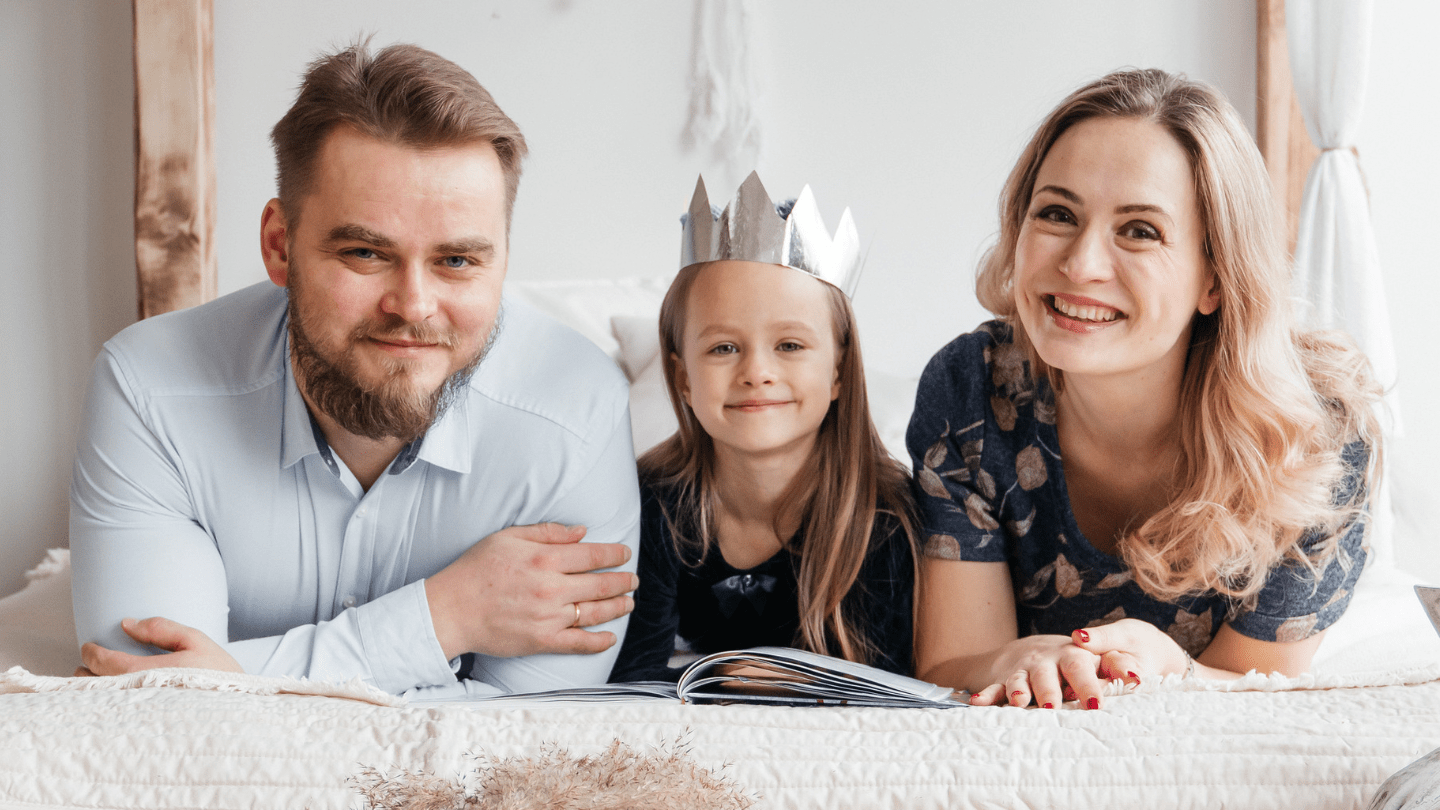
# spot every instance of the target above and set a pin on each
(750, 229)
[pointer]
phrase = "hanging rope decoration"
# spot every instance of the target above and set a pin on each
(723, 122)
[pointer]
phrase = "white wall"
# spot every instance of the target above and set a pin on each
(910, 114)
(68, 267)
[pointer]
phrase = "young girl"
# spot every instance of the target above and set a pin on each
(773, 516)
(1142, 468)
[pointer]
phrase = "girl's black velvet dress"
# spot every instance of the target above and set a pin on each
(714, 606)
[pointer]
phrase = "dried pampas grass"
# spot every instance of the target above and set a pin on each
(619, 778)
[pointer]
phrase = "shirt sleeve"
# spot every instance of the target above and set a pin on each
(1297, 603)
(650, 638)
(955, 494)
(138, 549)
(607, 502)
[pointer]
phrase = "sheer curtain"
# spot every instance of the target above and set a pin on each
(1337, 265)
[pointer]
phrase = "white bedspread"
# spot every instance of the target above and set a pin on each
(118, 743)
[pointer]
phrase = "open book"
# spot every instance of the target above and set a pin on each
(771, 675)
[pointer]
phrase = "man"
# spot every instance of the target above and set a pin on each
(335, 479)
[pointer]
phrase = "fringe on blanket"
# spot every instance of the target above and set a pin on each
(16, 679)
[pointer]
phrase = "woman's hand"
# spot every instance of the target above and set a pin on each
(1047, 669)
(1133, 650)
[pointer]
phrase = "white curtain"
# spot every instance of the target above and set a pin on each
(1337, 266)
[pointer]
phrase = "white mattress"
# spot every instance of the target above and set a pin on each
(118, 743)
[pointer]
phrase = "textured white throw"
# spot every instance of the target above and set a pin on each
(215, 740)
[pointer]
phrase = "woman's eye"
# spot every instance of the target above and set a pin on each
(1140, 230)
(455, 262)
(1056, 213)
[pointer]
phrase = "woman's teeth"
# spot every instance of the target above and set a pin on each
(1079, 313)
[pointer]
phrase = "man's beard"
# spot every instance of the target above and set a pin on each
(393, 408)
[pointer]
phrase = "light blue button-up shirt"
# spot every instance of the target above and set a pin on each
(203, 492)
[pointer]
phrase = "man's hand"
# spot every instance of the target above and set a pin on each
(530, 589)
(188, 648)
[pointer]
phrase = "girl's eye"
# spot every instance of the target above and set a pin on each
(1056, 213)
(455, 262)
(724, 348)
(790, 346)
(1139, 230)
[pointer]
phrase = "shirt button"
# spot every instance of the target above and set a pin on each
(349, 602)
(360, 512)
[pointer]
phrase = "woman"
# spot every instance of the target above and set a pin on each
(1141, 468)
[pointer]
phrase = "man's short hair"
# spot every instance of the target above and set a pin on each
(402, 94)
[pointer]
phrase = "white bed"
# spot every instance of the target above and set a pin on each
(175, 739)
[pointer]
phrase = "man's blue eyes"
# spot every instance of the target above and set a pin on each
(452, 262)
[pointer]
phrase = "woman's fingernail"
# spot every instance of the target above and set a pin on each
(1016, 693)
(1092, 703)
(1133, 675)
(1083, 636)
(1049, 705)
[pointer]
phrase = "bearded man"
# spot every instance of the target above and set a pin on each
(376, 466)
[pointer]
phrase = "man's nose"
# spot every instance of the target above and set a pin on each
(1089, 258)
(412, 293)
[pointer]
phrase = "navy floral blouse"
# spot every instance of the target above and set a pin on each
(991, 487)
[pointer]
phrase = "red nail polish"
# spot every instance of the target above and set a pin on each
(1083, 636)
(1049, 705)
(1133, 675)
(1092, 703)
(1016, 693)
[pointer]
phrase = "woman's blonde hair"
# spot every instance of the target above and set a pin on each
(1266, 410)
(849, 479)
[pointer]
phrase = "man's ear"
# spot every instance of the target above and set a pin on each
(1210, 300)
(275, 243)
(682, 380)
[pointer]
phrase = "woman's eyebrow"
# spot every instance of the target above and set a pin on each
(1062, 192)
(1134, 208)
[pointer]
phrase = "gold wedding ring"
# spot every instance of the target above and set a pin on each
(577, 615)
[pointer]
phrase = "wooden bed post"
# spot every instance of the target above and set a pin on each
(1279, 125)
(174, 154)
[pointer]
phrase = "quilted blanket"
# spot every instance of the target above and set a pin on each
(173, 739)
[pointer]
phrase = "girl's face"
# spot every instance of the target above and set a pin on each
(760, 361)
(1110, 266)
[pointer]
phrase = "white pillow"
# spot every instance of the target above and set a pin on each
(587, 305)
(652, 419)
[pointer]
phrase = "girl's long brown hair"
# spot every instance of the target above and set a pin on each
(849, 479)
(1266, 409)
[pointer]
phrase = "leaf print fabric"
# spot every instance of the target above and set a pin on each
(990, 486)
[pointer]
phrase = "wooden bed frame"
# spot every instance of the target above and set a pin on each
(175, 143)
